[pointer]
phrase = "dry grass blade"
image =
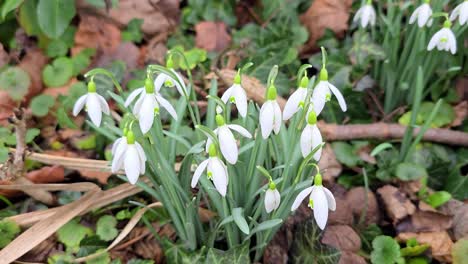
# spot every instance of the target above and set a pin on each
(48, 226)
(130, 225)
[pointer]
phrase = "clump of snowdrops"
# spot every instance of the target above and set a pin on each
(251, 171)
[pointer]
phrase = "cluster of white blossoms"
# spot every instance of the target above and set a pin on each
(129, 156)
(444, 39)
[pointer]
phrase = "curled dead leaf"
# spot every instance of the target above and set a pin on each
(397, 205)
(47, 174)
(425, 221)
(440, 243)
(96, 33)
(351, 258)
(212, 36)
(342, 237)
(356, 199)
(329, 164)
(459, 211)
(461, 112)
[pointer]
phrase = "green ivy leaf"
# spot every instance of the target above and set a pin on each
(410, 171)
(41, 104)
(54, 16)
(15, 81)
(345, 153)
(72, 233)
(105, 228)
(133, 31)
(28, 18)
(80, 62)
(31, 134)
(460, 251)
(56, 48)
(235, 255)
(385, 250)
(438, 198)
(90, 245)
(9, 230)
(58, 73)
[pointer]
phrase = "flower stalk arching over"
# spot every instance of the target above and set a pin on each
(272, 198)
(237, 95)
(270, 114)
(130, 157)
(320, 201)
(216, 170)
(95, 105)
(297, 99)
(147, 104)
(168, 81)
(322, 93)
(227, 142)
(461, 11)
(444, 39)
(423, 14)
(365, 15)
(311, 137)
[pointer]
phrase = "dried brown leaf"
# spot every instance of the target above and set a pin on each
(397, 205)
(342, 237)
(425, 221)
(440, 243)
(461, 112)
(329, 164)
(212, 36)
(47, 174)
(356, 199)
(351, 258)
(459, 211)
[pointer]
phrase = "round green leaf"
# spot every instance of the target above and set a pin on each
(57, 48)
(15, 81)
(54, 16)
(58, 73)
(41, 104)
(410, 171)
(385, 250)
(105, 228)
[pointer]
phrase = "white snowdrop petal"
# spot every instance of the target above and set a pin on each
(159, 81)
(239, 129)
(330, 199)
(139, 102)
(116, 143)
(180, 87)
(219, 176)
(266, 119)
(228, 144)
(241, 100)
(451, 41)
(117, 158)
(272, 200)
(277, 118)
(316, 141)
(414, 15)
(435, 40)
(80, 103)
(300, 197)
(365, 17)
(227, 94)
(133, 95)
(146, 114)
(306, 141)
(132, 164)
(103, 103)
(320, 206)
(358, 14)
(166, 105)
(94, 109)
(339, 97)
(198, 173)
(292, 105)
(319, 96)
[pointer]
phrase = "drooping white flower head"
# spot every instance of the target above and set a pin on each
(270, 114)
(272, 198)
(461, 11)
(147, 104)
(130, 157)
(227, 142)
(366, 15)
(296, 100)
(322, 93)
(95, 105)
(168, 81)
(423, 14)
(215, 170)
(311, 137)
(237, 95)
(444, 39)
(320, 200)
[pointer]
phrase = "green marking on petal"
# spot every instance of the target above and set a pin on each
(311, 203)
(301, 104)
(443, 40)
(327, 97)
(232, 99)
(209, 174)
(168, 83)
(156, 110)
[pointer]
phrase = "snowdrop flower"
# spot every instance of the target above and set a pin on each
(320, 200)
(270, 114)
(95, 105)
(236, 94)
(423, 14)
(215, 170)
(227, 142)
(272, 198)
(130, 157)
(168, 81)
(444, 39)
(311, 137)
(461, 11)
(147, 104)
(322, 93)
(120, 141)
(366, 14)
(296, 100)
